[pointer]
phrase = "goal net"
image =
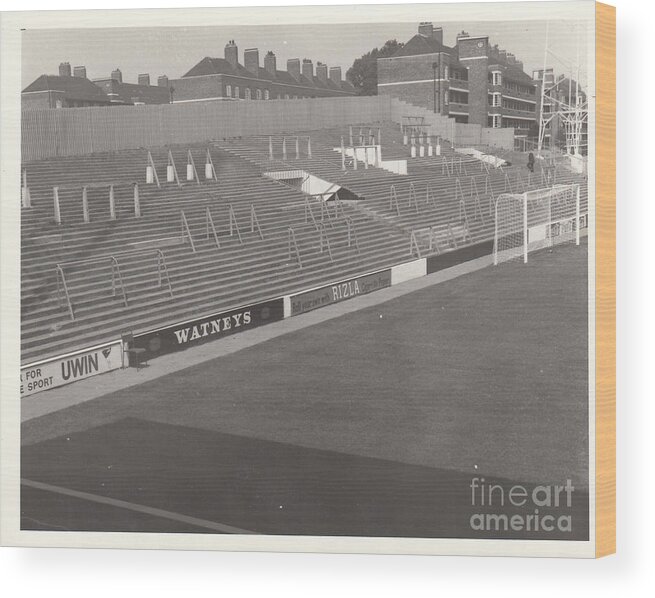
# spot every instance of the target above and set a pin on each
(534, 220)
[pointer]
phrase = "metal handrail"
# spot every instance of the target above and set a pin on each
(352, 233)
(254, 221)
(193, 164)
(234, 225)
(171, 162)
(154, 168)
(161, 262)
(292, 241)
(323, 237)
(185, 227)
(60, 272)
(210, 223)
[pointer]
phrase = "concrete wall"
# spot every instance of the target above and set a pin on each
(503, 138)
(74, 132)
(81, 131)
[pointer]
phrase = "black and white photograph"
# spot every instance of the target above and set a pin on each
(307, 279)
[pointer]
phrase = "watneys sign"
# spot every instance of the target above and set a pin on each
(208, 328)
(70, 368)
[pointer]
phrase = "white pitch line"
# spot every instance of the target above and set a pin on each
(121, 504)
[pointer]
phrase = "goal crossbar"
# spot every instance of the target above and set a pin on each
(536, 219)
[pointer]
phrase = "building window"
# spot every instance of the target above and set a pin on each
(258, 94)
(495, 121)
(445, 98)
(496, 78)
(267, 95)
(248, 94)
(228, 91)
(236, 91)
(496, 99)
(445, 76)
(286, 96)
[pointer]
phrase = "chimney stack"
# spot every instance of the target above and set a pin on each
(270, 63)
(511, 59)
(307, 69)
(232, 53)
(79, 71)
(425, 29)
(437, 33)
(144, 79)
(251, 60)
(503, 55)
(335, 75)
(162, 81)
(64, 69)
(322, 72)
(116, 75)
(462, 34)
(293, 68)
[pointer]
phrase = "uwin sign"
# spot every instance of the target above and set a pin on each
(69, 368)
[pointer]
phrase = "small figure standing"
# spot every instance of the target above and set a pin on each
(531, 162)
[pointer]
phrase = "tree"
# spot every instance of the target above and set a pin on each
(363, 74)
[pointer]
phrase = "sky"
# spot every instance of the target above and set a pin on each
(172, 51)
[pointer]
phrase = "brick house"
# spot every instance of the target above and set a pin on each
(142, 92)
(227, 79)
(472, 81)
(75, 90)
(63, 91)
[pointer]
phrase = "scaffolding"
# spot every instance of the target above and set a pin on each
(570, 109)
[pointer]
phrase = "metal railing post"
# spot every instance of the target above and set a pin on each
(137, 202)
(85, 205)
(57, 209)
(112, 203)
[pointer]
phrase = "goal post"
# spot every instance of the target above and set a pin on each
(534, 220)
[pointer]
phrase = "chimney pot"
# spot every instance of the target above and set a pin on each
(293, 68)
(425, 28)
(335, 74)
(251, 60)
(232, 53)
(322, 72)
(64, 69)
(308, 69)
(270, 63)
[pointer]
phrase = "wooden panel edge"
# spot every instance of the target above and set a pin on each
(605, 279)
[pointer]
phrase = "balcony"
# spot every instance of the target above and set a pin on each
(457, 107)
(510, 113)
(459, 83)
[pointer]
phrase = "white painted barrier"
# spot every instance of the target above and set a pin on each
(395, 166)
(58, 371)
(408, 271)
(287, 306)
